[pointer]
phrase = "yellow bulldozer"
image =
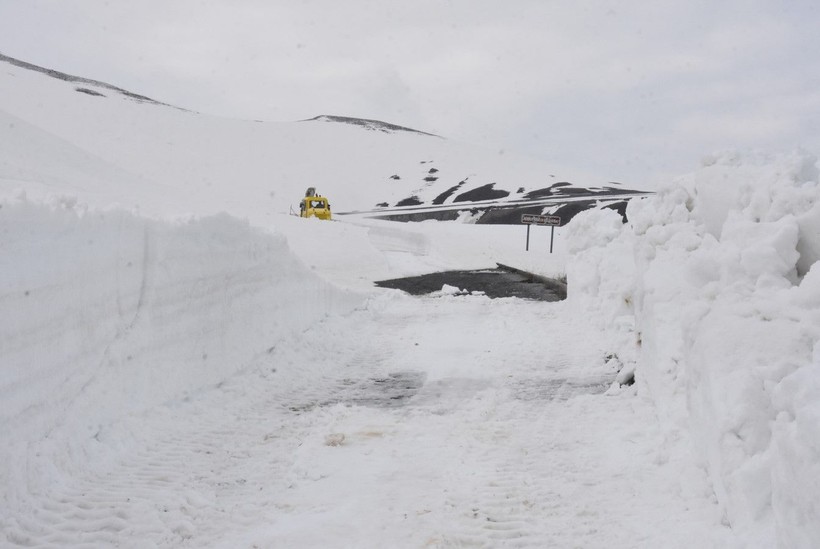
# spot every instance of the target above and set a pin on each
(314, 205)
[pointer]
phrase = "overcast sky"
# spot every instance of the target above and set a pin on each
(632, 91)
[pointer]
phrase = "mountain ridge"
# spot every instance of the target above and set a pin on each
(59, 75)
(367, 123)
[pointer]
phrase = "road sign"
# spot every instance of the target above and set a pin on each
(532, 219)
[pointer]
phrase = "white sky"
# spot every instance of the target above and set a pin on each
(628, 90)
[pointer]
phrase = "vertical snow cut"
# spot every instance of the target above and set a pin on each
(716, 279)
(105, 313)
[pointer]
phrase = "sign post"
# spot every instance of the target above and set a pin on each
(551, 220)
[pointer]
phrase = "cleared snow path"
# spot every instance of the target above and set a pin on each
(399, 425)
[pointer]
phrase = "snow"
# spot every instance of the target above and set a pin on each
(108, 314)
(250, 169)
(720, 275)
(186, 365)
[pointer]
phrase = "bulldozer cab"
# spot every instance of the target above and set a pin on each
(314, 206)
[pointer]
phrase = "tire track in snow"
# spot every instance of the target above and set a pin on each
(502, 444)
(200, 466)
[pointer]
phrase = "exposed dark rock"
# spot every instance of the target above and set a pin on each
(539, 193)
(409, 201)
(446, 194)
(614, 190)
(554, 189)
(484, 192)
(508, 216)
(441, 215)
(494, 283)
(89, 92)
(570, 209)
(619, 207)
(80, 80)
(366, 123)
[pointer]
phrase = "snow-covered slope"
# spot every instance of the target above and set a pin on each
(105, 314)
(126, 332)
(717, 281)
(250, 168)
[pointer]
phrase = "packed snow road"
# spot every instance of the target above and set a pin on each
(442, 421)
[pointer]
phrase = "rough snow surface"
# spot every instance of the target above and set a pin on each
(718, 274)
(106, 314)
(173, 376)
(185, 408)
(160, 390)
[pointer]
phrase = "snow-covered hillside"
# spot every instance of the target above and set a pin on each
(185, 364)
(203, 165)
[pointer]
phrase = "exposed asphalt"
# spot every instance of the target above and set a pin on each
(493, 282)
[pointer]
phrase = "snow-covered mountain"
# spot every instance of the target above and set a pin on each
(203, 164)
(172, 375)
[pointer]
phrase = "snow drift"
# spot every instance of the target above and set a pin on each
(104, 314)
(717, 280)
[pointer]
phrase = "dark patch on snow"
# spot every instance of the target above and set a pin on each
(566, 189)
(382, 205)
(508, 216)
(409, 201)
(539, 193)
(78, 79)
(89, 92)
(432, 170)
(368, 124)
(390, 391)
(446, 194)
(556, 189)
(560, 388)
(441, 215)
(619, 207)
(614, 190)
(577, 191)
(494, 283)
(570, 209)
(431, 178)
(484, 192)
(396, 177)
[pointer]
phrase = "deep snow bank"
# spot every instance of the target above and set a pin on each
(717, 281)
(103, 314)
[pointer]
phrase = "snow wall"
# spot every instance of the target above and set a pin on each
(105, 313)
(714, 288)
